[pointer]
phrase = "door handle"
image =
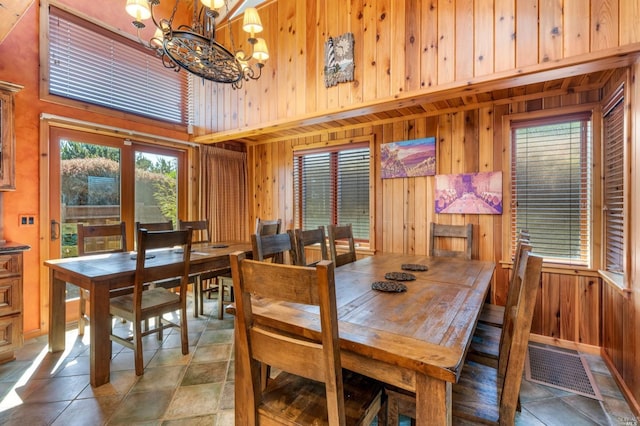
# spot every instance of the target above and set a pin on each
(55, 230)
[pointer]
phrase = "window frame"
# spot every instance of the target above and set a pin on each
(336, 146)
(119, 36)
(614, 98)
(508, 121)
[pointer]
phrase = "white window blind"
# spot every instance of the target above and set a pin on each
(613, 190)
(551, 186)
(332, 187)
(91, 64)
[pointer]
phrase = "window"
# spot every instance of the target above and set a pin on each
(91, 64)
(331, 186)
(613, 162)
(551, 185)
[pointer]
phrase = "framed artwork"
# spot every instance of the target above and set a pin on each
(408, 158)
(475, 193)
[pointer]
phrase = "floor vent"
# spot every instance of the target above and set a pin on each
(562, 369)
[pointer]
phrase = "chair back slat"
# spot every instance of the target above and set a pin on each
(107, 233)
(272, 247)
(147, 270)
(309, 237)
(155, 226)
(441, 234)
(313, 357)
(268, 226)
(342, 244)
(200, 230)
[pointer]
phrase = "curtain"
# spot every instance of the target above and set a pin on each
(223, 191)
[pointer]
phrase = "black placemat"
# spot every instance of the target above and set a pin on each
(399, 276)
(389, 286)
(414, 267)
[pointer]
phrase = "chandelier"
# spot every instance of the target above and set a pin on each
(194, 47)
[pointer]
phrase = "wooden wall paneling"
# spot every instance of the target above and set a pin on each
(446, 42)
(322, 35)
(576, 24)
(629, 31)
(357, 28)
(421, 205)
(398, 197)
(313, 56)
(412, 44)
(464, 43)
(588, 316)
(550, 296)
(526, 25)
(398, 35)
(286, 59)
(444, 146)
(501, 157)
(377, 225)
(383, 48)
(471, 151)
(370, 65)
(483, 38)
(267, 91)
(343, 22)
(629, 352)
(551, 30)
(428, 45)
(411, 212)
(387, 197)
(300, 31)
(485, 231)
(333, 25)
(568, 304)
(504, 35)
(284, 184)
(604, 24)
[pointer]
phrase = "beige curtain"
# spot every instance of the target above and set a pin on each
(223, 191)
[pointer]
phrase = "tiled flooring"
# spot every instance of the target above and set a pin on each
(40, 388)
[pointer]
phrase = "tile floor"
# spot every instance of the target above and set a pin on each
(40, 388)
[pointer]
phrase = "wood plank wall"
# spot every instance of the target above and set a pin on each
(403, 47)
(573, 305)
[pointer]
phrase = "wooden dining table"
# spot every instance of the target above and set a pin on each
(102, 273)
(416, 340)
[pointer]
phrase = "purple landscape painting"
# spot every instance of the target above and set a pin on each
(476, 193)
(408, 158)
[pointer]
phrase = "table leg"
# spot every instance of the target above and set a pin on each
(433, 401)
(57, 313)
(244, 411)
(100, 348)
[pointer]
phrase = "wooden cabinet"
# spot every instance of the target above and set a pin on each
(7, 136)
(10, 304)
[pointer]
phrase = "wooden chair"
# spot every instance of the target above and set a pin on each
(205, 282)
(95, 239)
(487, 338)
(485, 394)
(147, 302)
(312, 387)
(263, 227)
(273, 247)
(338, 236)
(493, 314)
(308, 238)
(439, 231)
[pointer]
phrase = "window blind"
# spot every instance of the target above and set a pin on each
(551, 186)
(613, 189)
(91, 64)
(332, 187)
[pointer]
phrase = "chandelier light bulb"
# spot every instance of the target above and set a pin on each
(138, 9)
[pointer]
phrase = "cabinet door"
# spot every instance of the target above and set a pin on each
(7, 137)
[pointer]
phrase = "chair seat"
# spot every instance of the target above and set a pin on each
(492, 314)
(476, 395)
(485, 345)
(295, 400)
(153, 300)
